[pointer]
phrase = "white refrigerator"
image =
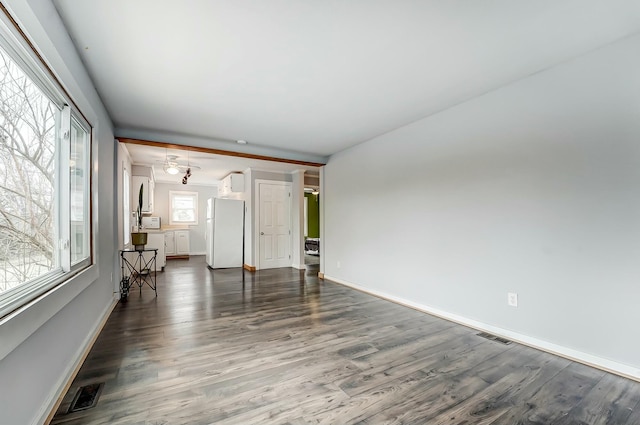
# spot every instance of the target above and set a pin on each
(225, 233)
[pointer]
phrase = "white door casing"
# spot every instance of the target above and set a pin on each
(274, 224)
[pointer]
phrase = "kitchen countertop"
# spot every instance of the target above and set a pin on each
(164, 229)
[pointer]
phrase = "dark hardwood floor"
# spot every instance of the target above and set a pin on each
(281, 347)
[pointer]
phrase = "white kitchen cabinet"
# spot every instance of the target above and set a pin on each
(176, 243)
(169, 243)
(155, 240)
(233, 183)
(182, 242)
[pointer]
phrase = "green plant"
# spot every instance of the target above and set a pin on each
(139, 208)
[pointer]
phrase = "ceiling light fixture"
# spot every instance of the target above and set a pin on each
(170, 165)
(171, 168)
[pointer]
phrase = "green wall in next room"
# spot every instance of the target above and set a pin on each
(313, 215)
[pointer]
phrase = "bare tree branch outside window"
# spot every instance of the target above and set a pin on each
(27, 173)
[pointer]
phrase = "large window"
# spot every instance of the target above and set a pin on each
(45, 157)
(184, 207)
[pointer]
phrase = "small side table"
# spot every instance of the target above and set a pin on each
(138, 269)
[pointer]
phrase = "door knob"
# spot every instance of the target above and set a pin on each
(262, 233)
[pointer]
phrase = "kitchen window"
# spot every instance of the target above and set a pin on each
(184, 207)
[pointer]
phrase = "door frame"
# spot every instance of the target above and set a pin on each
(256, 232)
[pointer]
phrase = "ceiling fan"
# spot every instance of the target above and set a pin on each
(173, 167)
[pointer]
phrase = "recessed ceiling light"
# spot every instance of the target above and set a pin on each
(241, 142)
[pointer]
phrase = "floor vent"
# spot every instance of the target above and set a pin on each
(494, 338)
(86, 397)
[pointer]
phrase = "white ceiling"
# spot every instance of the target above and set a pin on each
(314, 77)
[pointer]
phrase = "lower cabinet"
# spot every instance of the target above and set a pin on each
(182, 242)
(169, 243)
(156, 241)
(176, 243)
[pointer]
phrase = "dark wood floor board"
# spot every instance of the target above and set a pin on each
(449, 383)
(496, 400)
(634, 415)
(432, 395)
(556, 398)
(403, 338)
(228, 393)
(245, 397)
(355, 409)
(511, 358)
(254, 406)
(449, 354)
(150, 391)
(437, 343)
(283, 347)
(469, 354)
(611, 401)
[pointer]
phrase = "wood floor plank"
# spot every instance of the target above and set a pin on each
(611, 401)
(282, 347)
(449, 383)
(554, 400)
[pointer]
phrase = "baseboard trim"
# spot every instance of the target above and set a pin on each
(299, 266)
(250, 268)
(597, 362)
(178, 257)
(66, 379)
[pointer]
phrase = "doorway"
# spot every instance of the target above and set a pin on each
(311, 226)
(274, 224)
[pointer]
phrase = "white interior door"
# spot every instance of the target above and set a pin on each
(275, 225)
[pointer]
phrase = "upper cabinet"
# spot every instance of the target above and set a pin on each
(142, 176)
(233, 183)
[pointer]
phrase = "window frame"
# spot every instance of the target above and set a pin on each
(88, 211)
(176, 193)
(16, 46)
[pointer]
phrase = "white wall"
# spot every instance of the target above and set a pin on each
(161, 209)
(56, 329)
(533, 188)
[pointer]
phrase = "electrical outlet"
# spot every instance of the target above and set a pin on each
(338, 264)
(512, 299)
